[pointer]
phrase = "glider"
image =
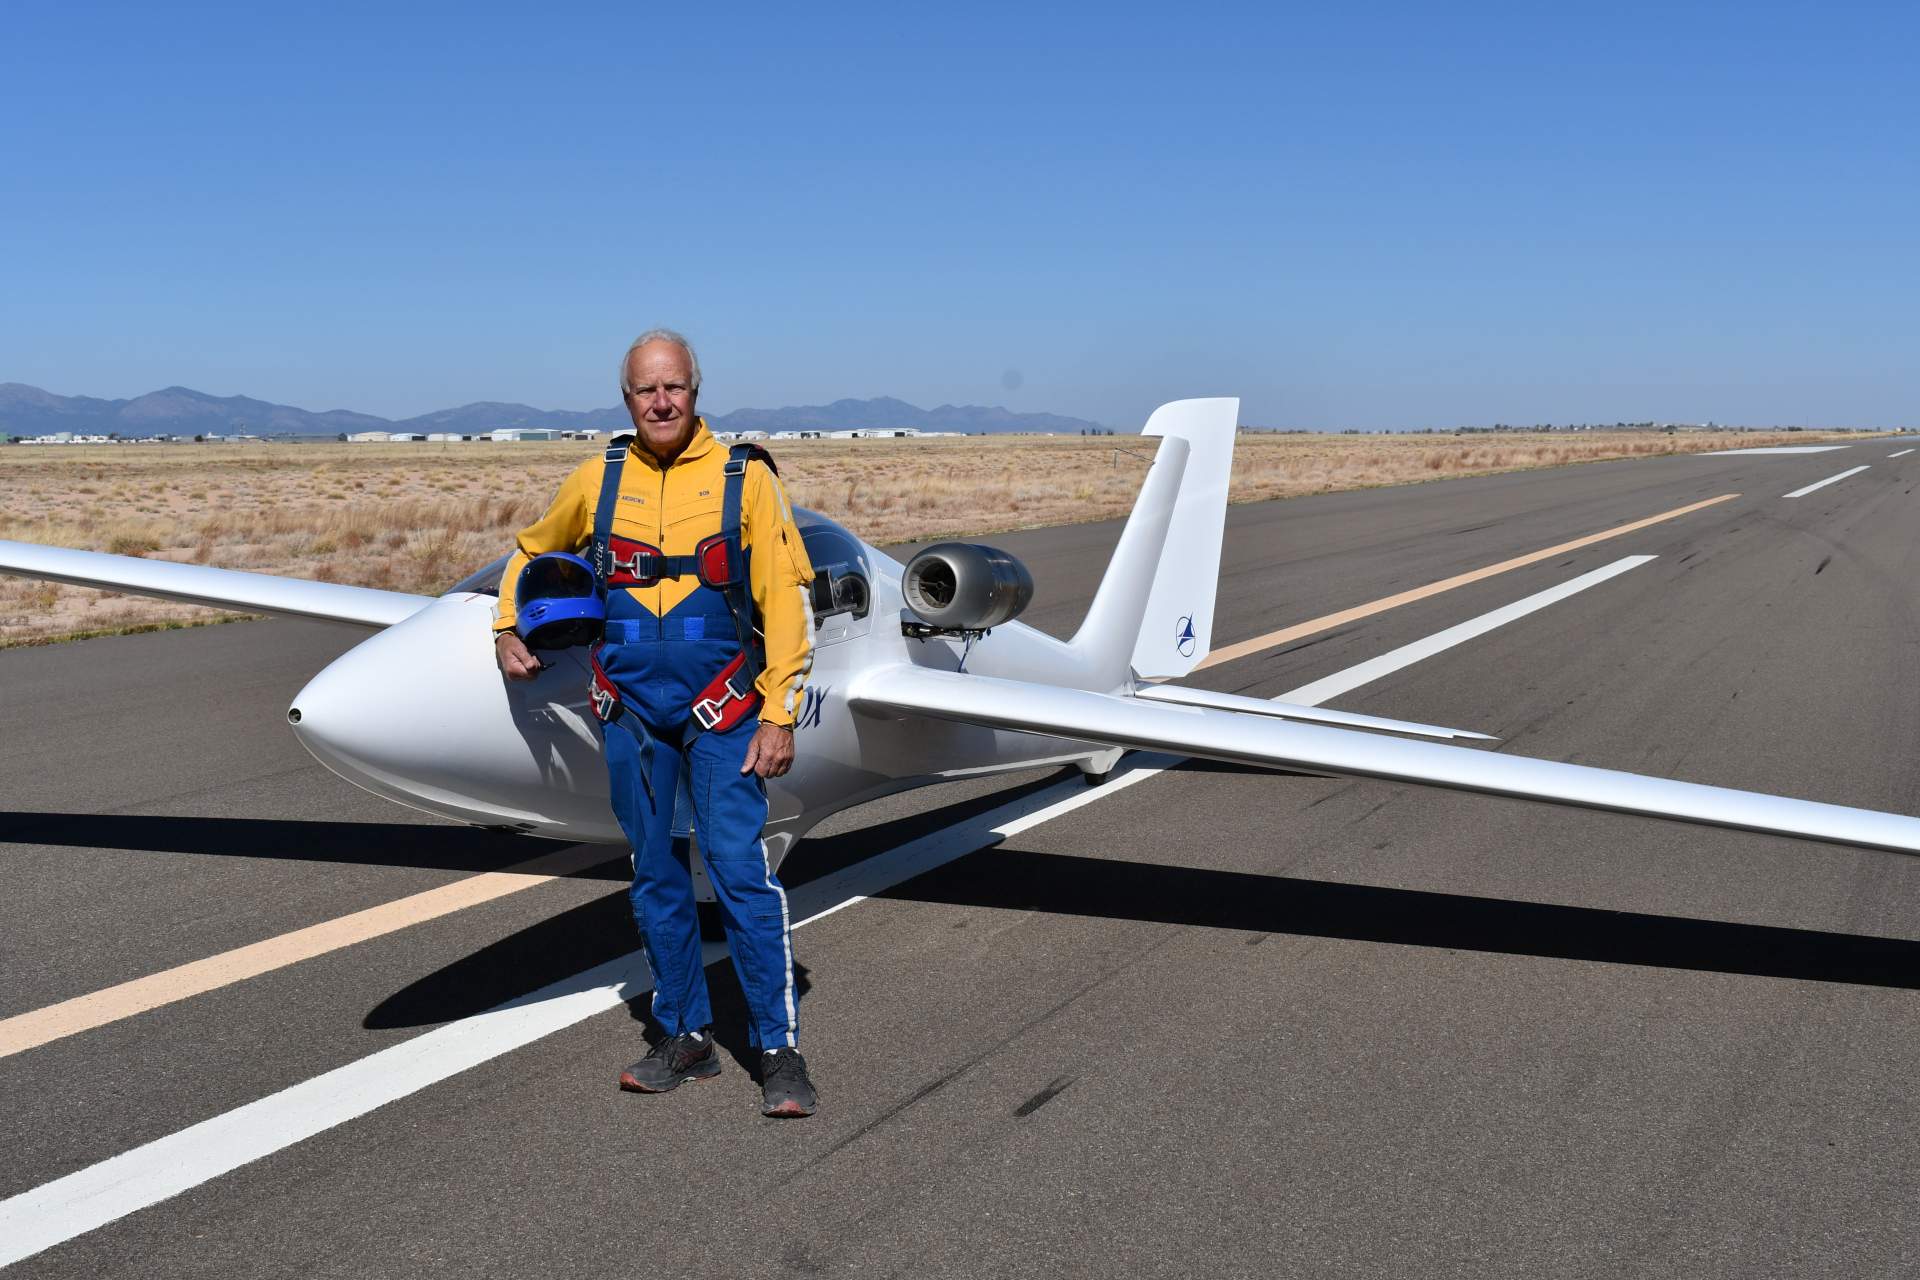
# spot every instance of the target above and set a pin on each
(921, 672)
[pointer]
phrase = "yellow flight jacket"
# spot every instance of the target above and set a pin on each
(672, 508)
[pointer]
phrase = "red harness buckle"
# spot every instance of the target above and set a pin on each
(605, 697)
(633, 564)
(724, 703)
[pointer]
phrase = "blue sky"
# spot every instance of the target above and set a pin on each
(1369, 215)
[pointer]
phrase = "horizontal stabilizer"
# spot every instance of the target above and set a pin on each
(1280, 744)
(1186, 697)
(199, 584)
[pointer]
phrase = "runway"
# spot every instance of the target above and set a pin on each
(1204, 1021)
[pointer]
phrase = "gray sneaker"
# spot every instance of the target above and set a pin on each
(785, 1091)
(687, 1056)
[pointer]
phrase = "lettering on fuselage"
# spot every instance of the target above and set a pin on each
(812, 699)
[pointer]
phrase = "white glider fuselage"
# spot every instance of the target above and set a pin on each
(419, 714)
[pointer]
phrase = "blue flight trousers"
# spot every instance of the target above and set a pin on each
(658, 680)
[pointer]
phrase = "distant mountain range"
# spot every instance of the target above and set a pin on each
(182, 411)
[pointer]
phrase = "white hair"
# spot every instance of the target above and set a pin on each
(660, 335)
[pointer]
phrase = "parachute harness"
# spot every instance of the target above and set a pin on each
(719, 561)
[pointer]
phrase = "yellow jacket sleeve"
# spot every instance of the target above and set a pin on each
(780, 576)
(567, 526)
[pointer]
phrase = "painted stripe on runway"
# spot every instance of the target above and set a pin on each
(1775, 448)
(97, 1008)
(1246, 648)
(1405, 656)
(1903, 453)
(1821, 484)
(90, 1198)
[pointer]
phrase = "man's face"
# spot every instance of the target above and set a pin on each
(660, 400)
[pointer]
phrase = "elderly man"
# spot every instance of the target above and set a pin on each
(696, 683)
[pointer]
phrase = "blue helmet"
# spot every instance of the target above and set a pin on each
(559, 602)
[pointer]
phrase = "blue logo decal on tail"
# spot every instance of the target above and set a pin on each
(1183, 637)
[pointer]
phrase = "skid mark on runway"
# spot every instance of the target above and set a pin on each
(1337, 791)
(97, 1008)
(1133, 960)
(1055, 1087)
(1299, 631)
(921, 1094)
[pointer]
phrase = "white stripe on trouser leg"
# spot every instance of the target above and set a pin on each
(653, 1005)
(786, 943)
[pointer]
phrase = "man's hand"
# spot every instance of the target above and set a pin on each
(770, 754)
(516, 661)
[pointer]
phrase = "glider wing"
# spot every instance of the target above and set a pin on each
(1266, 740)
(200, 584)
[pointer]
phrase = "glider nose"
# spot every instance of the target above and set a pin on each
(415, 707)
(331, 721)
(419, 713)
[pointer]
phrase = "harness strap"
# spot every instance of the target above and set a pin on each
(604, 694)
(632, 563)
(739, 596)
(609, 499)
(733, 695)
(607, 708)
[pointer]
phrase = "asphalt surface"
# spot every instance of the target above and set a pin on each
(1221, 1022)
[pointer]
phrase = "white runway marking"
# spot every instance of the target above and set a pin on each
(1778, 448)
(1903, 453)
(1353, 677)
(90, 1198)
(1821, 484)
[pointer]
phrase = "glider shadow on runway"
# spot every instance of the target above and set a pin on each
(431, 845)
(1258, 905)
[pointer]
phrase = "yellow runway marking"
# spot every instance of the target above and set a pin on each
(1298, 631)
(95, 1009)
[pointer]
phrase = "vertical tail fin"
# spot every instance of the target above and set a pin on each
(1177, 629)
(1153, 612)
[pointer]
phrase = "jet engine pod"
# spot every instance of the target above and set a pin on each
(963, 586)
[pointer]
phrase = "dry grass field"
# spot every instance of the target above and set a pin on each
(418, 517)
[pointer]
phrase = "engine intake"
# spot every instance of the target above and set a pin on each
(963, 586)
